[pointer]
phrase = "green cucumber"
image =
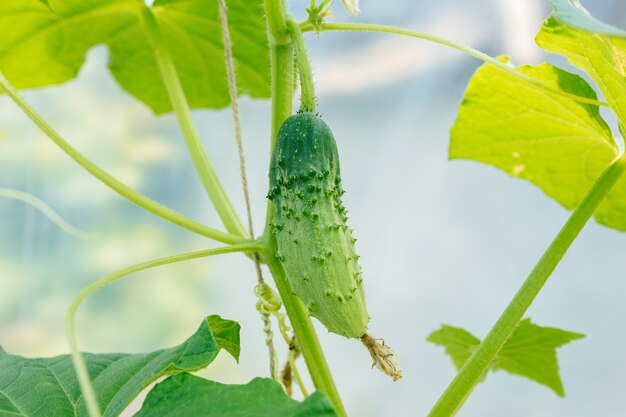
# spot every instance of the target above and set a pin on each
(313, 242)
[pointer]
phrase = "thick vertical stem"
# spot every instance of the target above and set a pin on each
(307, 339)
(276, 14)
(476, 366)
(282, 62)
(282, 59)
(282, 97)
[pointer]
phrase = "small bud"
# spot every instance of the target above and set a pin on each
(384, 358)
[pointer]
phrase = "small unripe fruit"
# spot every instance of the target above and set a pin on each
(309, 226)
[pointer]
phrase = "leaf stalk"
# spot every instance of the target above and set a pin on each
(307, 338)
(176, 93)
(307, 94)
(366, 27)
(112, 182)
(475, 367)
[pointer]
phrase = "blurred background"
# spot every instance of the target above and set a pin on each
(441, 242)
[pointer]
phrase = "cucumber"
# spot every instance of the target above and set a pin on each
(312, 240)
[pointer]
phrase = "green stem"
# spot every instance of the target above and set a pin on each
(89, 394)
(475, 367)
(282, 54)
(307, 95)
(307, 338)
(365, 27)
(276, 14)
(282, 75)
(203, 166)
(47, 211)
(282, 87)
(291, 358)
(116, 185)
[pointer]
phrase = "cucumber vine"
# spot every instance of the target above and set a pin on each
(306, 244)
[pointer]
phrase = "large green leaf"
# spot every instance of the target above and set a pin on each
(558, 144)
(40, 46)
(47, 387)
(44, 44)
(530, 352)
(191, 396)
(594, 46)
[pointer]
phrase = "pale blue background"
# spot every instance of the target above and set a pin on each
(441, 242)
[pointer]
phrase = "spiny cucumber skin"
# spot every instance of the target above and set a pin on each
(314, 243)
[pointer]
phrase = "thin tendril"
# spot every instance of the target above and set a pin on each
(366, 27)
(268, 303)
(293, 354)
(112, 182)
(89, 394)
(47, 211)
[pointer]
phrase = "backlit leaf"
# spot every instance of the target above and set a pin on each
(596, 47)
(530, 352)
(558, 144)
(45, 43)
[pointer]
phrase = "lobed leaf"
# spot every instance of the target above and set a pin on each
(192, 396)
(459, 344)
(558, 144)
(600, 50)
(45, 387)
(593, 46)
(530, 352)
(45, 43)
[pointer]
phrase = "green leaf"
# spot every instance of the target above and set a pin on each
(560, 145)
(594, 46)
(56, 36)
(226, 334)
(34, 387)
(458, 343)
(530, 352)
(192, 396)
(40, 46)
(600, 50)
